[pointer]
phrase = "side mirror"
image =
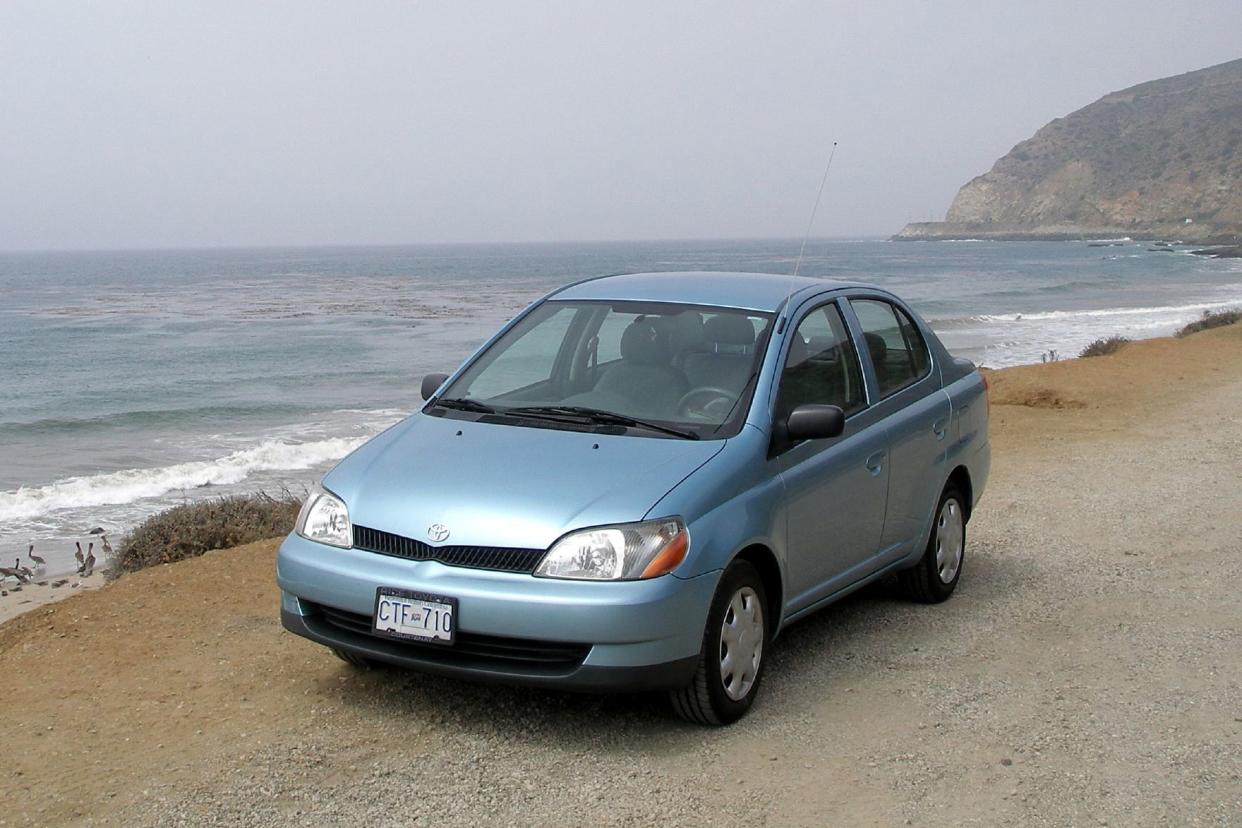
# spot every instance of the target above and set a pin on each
(432, 382)
(813, 421)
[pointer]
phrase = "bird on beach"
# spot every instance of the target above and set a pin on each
(6, 572)
(21, 567)
(80, 557)
(38, 561)
(107, 547)
(89, 561)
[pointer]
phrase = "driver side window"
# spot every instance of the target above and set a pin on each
(821, 366)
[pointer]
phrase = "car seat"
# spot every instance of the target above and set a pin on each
(730, 354)
(878, 349)
(643, 377)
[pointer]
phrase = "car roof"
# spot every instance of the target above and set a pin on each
(745, 291)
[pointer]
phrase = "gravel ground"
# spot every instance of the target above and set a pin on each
(1087, 672)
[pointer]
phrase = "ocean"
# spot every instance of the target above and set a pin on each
(134, 381)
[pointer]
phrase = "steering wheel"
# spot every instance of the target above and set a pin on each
(715, 405)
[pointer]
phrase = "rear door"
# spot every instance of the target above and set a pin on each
(835, 489)
(916, 415)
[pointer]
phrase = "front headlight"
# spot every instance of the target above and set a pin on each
(625, 552)
(325, 519)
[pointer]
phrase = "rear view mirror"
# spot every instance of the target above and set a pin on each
(813, 421)
(432, 383)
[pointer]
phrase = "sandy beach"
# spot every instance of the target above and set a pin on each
(1088, 670)
(19, 598)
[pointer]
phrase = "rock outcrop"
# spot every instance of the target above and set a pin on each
(1159, 160)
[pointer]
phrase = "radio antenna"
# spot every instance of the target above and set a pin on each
(815, 209)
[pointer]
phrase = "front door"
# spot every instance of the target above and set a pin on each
(836, 489)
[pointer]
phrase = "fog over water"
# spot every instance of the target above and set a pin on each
(150, 124)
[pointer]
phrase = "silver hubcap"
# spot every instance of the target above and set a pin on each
(950, 540)
(741, 643)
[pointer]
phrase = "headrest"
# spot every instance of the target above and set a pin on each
(642, 344)
(729, 329)
(877, 346)
(824, 348)
(798, 353)
(684, 331)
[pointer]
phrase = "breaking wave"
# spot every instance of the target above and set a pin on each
(129, 485)
(1160, 310)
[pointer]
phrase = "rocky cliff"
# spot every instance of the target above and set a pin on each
(1158, 160)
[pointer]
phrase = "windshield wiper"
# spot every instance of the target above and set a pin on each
(598, 416)
(463, 404)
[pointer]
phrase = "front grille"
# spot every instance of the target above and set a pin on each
(468, 648)
(504, 559)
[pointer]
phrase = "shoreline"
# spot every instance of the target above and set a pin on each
(1190, 234)
(19, 600)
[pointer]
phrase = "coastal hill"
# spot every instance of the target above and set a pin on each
(1159, 160)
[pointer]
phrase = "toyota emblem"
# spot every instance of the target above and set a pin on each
(438, 532)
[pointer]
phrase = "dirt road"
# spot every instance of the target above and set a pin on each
(1088, 671)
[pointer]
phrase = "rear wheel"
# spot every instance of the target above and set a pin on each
(935, 576)
(731, 660)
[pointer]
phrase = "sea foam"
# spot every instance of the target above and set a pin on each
(129, 485)
(1159, 310)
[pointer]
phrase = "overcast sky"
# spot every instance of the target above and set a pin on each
(157, 124)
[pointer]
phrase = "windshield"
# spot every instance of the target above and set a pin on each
(689, 367)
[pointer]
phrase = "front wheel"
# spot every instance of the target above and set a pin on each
(935, 576)
(731, 660)
(354, 660)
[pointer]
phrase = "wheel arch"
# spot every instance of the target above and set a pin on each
(764, 560)
(960, 477)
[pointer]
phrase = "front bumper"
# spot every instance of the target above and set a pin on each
(636, 635)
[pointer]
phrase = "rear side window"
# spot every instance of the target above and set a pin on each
(822, 366)
(897, 349)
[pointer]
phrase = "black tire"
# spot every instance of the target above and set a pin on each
(704, 700)
(924, 581)
(354, 660)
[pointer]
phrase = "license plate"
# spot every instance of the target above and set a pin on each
(415, 616)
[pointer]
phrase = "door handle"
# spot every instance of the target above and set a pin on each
(875, 463)
(938, 429)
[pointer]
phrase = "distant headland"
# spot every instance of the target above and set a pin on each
(1161, 160)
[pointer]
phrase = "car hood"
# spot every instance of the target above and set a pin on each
(505, 485)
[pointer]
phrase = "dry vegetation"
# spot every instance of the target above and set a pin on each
(1211, 319)
(191, 529)
(1104, 346)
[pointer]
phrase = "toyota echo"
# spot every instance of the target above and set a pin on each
(639, 481)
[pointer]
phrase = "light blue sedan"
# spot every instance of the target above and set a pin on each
(640, 480)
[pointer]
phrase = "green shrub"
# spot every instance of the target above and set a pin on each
(191, 529)
(1104, 347)
(1212, 319)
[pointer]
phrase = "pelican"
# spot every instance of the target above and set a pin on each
(16, 572)
(40, 565)
(89, 566)
(107, 547)
(89, 560)
(79, 554)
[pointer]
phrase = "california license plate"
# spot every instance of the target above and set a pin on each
(415, 616)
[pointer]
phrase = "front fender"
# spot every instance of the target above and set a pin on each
(732, 501)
